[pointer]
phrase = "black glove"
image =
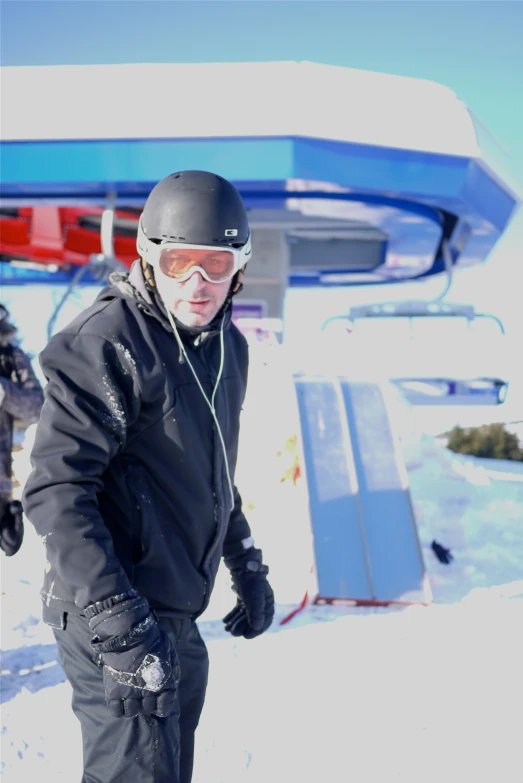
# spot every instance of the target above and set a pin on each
(140, 666)
(11, 526)
(443, 555)
(254, 610)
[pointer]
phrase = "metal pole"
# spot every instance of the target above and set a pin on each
(107, 227)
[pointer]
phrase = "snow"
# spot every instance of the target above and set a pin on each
(153, 675)
(366, 695)
(117, 417)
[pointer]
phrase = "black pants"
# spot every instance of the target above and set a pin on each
(146, 748)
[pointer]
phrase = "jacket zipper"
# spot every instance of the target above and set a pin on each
(137, 521)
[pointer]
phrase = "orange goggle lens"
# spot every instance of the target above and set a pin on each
(218, 265)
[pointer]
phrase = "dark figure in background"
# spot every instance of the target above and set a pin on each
(133, 489)
(21, 397)
(443, 554)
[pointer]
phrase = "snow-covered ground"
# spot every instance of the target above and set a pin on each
(341, 695)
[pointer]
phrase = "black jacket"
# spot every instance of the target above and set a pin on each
(129, 487)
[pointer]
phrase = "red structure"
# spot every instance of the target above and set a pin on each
(66, 236)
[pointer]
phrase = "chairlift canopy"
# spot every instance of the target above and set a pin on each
(317, 144)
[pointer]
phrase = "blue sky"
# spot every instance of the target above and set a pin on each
(472, 47)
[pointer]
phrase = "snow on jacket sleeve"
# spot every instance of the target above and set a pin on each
(22, 398)
(91, 399)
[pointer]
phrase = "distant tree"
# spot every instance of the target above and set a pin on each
(491, 441)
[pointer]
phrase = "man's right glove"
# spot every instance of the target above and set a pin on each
(11, 526)
(140, 666)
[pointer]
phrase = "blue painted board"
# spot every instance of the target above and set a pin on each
(365, 537)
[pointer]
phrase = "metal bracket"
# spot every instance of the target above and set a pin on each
(100, 264)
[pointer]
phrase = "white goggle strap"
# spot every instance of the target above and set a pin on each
(245, 253)
(143, 245)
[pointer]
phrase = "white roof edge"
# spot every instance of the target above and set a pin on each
(329, 102)
(349, 105)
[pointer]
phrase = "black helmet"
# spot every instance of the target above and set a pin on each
(196, 208)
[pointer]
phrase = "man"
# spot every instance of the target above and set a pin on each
(21, 397)
(133, 484)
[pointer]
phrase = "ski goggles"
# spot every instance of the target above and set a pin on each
(179, 261)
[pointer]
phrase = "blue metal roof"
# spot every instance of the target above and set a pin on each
(459, 184)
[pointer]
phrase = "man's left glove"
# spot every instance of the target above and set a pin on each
(254, 610)
(140, 666)
(11, 526)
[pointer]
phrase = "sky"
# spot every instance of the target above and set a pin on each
(472, 47)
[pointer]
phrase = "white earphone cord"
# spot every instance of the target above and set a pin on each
(211, 402)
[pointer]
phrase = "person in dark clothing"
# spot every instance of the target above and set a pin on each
(132, 487)
(21, 398)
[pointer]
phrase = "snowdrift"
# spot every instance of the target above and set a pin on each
(437, 689)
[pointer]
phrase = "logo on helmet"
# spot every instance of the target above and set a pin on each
(231, 232)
